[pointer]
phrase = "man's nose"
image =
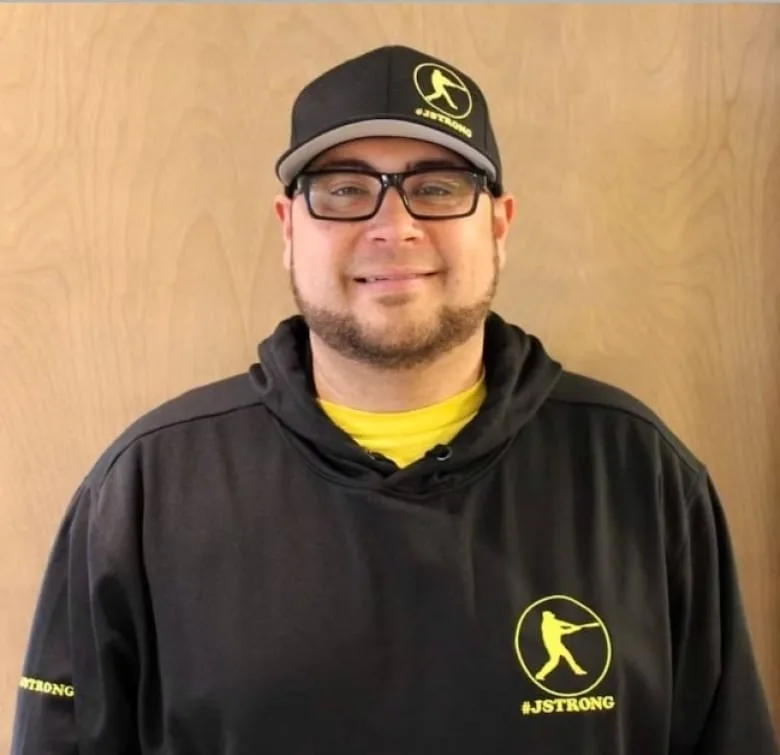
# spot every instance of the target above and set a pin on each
(392, 222)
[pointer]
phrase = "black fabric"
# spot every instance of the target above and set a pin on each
(380, 84)
(235, 575)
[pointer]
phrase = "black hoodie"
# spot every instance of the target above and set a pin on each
(236, 576)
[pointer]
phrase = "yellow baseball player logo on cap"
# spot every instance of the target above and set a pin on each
(563, 646)
(443, 90)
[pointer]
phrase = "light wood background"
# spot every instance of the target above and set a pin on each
(139, 255)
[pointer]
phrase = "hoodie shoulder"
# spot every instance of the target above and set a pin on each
(210, 400)
(609, 401)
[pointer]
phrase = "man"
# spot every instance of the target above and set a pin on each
(370, 542)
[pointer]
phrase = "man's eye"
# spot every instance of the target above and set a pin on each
(434, 190)
(347, 190)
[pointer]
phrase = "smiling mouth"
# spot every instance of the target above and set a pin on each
(380, 278)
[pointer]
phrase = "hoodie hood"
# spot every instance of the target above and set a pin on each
(519, 376)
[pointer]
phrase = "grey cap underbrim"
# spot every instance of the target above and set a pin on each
(292, 164)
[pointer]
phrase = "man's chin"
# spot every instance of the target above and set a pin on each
(394, 346)
(397, 324)
(393, 338)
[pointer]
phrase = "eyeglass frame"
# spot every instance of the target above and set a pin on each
(302, 184)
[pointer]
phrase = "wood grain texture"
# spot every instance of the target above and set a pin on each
(139, 255)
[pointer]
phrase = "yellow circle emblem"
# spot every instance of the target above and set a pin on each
(443, 90)
(563, 646)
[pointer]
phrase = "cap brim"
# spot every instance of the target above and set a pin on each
(293, 161)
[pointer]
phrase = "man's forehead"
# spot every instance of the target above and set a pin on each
(401, 150)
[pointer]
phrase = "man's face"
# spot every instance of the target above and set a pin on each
(444, 272)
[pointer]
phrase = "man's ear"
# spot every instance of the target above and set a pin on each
(503, 215)
(283, 211)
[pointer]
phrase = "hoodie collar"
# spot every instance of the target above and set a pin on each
(519, 376)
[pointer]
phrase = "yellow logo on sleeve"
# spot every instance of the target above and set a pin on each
(47, 688)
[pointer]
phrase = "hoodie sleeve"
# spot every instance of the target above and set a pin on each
(720, 707)
(77, 690)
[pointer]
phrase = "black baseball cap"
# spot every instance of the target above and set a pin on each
(392, 91)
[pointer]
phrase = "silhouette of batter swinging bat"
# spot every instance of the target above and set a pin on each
(553, 632)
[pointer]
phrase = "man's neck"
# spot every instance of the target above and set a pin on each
(356, 385)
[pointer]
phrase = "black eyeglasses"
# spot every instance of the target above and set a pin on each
(356, 193)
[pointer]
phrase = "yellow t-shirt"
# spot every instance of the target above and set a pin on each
(405, 437)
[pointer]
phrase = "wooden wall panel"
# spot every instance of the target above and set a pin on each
(139, 254)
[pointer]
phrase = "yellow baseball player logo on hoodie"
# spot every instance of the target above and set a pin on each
(565, 650)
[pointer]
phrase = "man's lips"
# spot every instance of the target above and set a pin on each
(391, 277)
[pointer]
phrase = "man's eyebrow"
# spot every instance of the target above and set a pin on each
(342, 163)
(439, 162)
